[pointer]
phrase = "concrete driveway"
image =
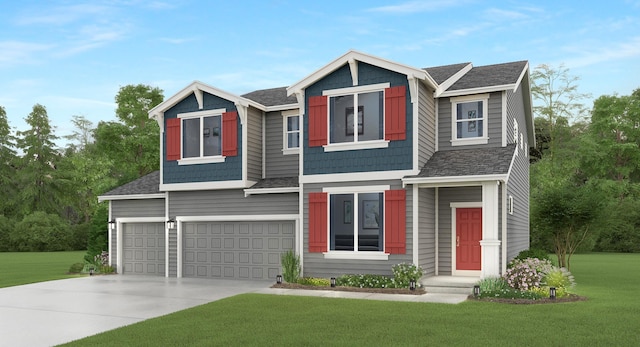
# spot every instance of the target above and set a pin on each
(50, 313)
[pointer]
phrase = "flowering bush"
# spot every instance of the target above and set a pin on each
(403, 273)
(510, 293)
(365, 281)
(101, 259)
(526, 274)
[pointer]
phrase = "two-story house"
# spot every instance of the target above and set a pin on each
(364, 164)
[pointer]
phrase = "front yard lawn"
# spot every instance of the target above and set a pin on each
(18, 268)
(608, 318)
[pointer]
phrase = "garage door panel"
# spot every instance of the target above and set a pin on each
(143, 248)
(246, 250)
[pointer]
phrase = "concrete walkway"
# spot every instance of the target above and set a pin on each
(55, 312)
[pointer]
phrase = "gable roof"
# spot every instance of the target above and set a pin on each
(466, 164)
(145, 187)
(444, 72)
(488, 78)
(272, 97)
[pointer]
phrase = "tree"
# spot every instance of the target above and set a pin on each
(563, 213)
(557, 91)
(41, 185)
(82, 134)
(7, 163)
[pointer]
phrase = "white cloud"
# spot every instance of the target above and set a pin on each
(62, 15)
(417, 6)
(17, 52)
(591, 54)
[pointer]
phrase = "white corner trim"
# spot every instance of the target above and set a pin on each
(102, 198)
(504, 118)
(415, 221)
(355, 255)
(248, 192)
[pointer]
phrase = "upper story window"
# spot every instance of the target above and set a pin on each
(291, 132)
(469, 120)
(202, 137)
(358, 117)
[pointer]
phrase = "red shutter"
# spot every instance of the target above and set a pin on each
(317, 222)
(317, 121)
(172, 140)
(395, 221)
(230, 134)
(395, 109)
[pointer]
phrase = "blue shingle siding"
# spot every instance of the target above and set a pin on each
(231, 169)
(398, 156)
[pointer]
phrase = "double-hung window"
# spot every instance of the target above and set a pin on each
(358, 117)
(469, 120)
(202, 137)
(291, 132)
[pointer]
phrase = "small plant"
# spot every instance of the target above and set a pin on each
(76, 268)
(544, 292)
(559, 277)
(314, 281)
(492, 284)
(403, 273)
(106, 269)
(533, 253)
(526, 274)
(290, 266)
(510, 293)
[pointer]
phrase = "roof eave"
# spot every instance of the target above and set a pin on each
(453, 180)
(102, 198)
(478, 90)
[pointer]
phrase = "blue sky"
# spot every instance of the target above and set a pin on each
(73, 56)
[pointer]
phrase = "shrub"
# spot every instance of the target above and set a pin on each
(290, 266)
(526, 274)
(106, 269)
(544, 292)
(101, 259)
(42, 232)
(492, 284)
(365, 281)
(76, 268)
(510, 293)
(6, 229)
(403, 273)
(559, 277)
(97, 240)
(314, 281)
(533, 253)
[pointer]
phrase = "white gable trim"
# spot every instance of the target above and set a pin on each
(479, 90)
(451, 80)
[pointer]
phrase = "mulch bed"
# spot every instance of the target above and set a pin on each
(569, 298)
(418, 291)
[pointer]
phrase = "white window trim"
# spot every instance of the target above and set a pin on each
(484, 98)
(286, 150)
(201, 159)
(355, 145)
(355, 254)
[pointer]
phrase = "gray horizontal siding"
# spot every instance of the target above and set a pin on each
(229, 203)
(254, 144)
(518, 186)
(494, 126)
(427, 231)
(137, 208)
(426, 125)
(278, 164)
(314, 263)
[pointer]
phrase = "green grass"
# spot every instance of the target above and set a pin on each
(30, 267)
(609, 318)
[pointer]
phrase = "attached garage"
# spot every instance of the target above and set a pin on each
(235, 250)
(143, 250)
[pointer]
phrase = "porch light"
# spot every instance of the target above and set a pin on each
(171, 224)
(112, 224)
(333, 282)
(91, 272)
(279, 279)
(412, 285)
(552, 293)
(476, 290)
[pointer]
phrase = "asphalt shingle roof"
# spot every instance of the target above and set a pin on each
(443, 73)
(490, 75)
(271, 97)
(276, 182)
(469, 162)
(149, 184)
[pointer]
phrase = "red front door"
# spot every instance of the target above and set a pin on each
(468, 236)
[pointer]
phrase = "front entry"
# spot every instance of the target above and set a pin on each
(468, 236)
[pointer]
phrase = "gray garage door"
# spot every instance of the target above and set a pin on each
(143, 249)
(235, 250)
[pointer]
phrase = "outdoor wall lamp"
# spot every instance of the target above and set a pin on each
(552, 293)
(412, 285)
(333, 282)
(112, 224)
(476, 290)
(171, 224)
(279, 279)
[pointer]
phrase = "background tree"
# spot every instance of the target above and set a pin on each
(7, 164)
(41, 185)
